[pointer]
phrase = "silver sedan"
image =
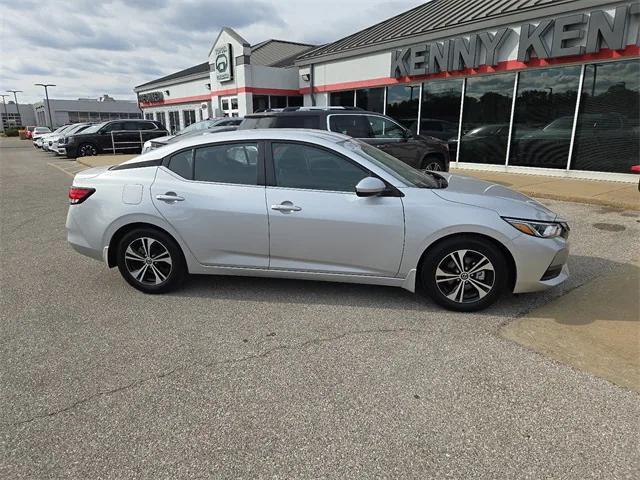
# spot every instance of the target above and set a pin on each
(313, 205)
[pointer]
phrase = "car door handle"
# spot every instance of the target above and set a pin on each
(286, 207)
(169, 197)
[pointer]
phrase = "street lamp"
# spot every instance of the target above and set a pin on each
(15, 97)
(6, 115)
(46, 93)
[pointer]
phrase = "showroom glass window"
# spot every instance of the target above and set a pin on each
(608, 131)
(342, 99)
(402, 103)
(371, 99)
(440, 109)
(543, 118)
(260, 103)
(486, 118)
(189, 117)
(160, 118)
(295, 101)
(174, 121)
(278, 101)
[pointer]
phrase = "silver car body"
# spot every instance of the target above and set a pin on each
(229, 229)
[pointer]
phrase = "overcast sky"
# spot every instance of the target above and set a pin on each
(91, 47)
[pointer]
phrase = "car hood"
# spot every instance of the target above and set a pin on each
(503, 200)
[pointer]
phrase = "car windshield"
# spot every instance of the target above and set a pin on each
(76, 128)
(94, 128)
(393, 166)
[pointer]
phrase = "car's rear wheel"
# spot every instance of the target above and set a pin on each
(433, 163)
(464, 273)
(151, 261)
(87, 150)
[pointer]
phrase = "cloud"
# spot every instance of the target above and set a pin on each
(207, 15)
(88, 47)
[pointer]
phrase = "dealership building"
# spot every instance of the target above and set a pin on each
(546, 86)
(84, 110)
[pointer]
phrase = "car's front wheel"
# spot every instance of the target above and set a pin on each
(151, 261)
(464, 273)
(87, 150)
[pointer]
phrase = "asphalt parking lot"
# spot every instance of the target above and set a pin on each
(252, 378)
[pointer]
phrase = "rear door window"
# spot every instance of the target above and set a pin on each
(235, 163)
(182, 164)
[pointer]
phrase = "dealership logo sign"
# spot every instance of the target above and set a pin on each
(565, 36)
(151, 97)
(223, 63)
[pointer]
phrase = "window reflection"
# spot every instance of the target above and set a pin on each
(402, 103)
(543, 120)
(608, 131)
(371, 99)
(440, 109)
(485, 123)
(341, 99)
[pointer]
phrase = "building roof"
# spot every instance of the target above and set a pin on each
(437, 15)
(273, 53)
(187, 72)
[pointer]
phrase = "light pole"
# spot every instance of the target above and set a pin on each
(15, 97)
(46, 93)
(6, 115)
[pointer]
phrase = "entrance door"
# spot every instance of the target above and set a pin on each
(317, 223)
(229, 105)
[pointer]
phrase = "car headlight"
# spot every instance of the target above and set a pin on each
(540, 229)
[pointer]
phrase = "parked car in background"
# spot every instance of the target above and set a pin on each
(193, 129)
(60, 140)
(28, 131)
(436, 128)
(115, 136)
(37, 134)
(48, 140)
(419, 151)
(312, 205)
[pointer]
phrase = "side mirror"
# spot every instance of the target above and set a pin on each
(370, 187)
(408, 134)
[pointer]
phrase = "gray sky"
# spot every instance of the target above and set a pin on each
(91, 47)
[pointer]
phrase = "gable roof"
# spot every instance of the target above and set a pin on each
(437, 15)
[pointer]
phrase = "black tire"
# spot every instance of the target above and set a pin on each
(434, 163)
(439, 270)
(87, 150)
(146, 281)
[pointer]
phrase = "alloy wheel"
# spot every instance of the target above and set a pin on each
(148, 261)
(465, 276)
(87, 151)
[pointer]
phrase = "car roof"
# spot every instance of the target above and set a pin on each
(284, 134)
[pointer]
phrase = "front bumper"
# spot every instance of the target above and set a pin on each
(541, 263)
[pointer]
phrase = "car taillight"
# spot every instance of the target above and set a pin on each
(79, 194)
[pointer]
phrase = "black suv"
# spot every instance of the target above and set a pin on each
(419, 151)
(113, 137)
